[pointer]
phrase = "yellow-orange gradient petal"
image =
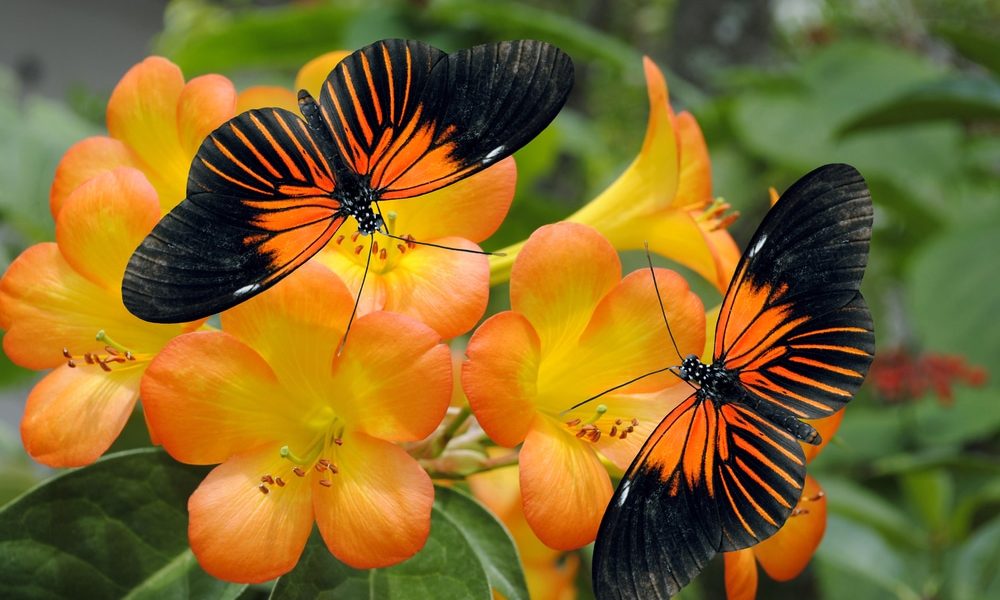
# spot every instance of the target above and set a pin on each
(264, 96)
(561, 274)
(472, 208)
(73, 415)
(785, 554)
(207, 397)
(241, 534)
(741, 575)
(103, 221)
(83, 160)
(694, 184)
(826, 427)
(564, 485)
(205, 103)
(500, 376)
(377, 510)
(647, 409)
(396, 375)
(312, 75)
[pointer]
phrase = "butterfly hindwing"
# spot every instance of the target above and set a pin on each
(710, 478)
(259, 204)
(409, 119)
(793, 323)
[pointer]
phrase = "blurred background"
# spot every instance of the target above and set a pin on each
(905, 90)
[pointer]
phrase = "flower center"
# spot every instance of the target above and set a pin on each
(319, 457)
(385, 256)
(804, 510)
(114, 355)
(714, 216)
(599, 425)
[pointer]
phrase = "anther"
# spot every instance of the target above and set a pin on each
(581, 433)
(618, 421)
(66, 353)
(325, 482)
(595, 435)
(340, 239)
(334, 469)
(401, 248)
(298, 471)
(263, 489)
(358, 249)
(89, 358)
(324, 462)
(382, 254)
(111, 351)
(338, 441)
(614, 431)
(409, 242)
(279, 481)
(71, 363)
(267, 479)
(635, 422)
(354, 236)
(374, 247)
(319, 467)
(104, 365)
(624, 434)
(129, 356)
(573, 423)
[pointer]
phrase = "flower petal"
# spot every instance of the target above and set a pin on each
(472, 208)
(827, 427)
(239, 533)
(393, 378)
(564, 486)
(103, 221)
(208, 396)
(263, 96)
(500, 376)
(694, 187)
(378, 510)
(741, 575)
(205, 103)
(83, 160)
(312, 75)
(561, 274)
(73, 415)
(785, 554)
(647, 409)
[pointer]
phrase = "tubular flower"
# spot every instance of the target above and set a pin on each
(786, 554)
(156, 123)
(577, 329)
(61, 307)
(303, 434)
(664, 197)
(447, 290)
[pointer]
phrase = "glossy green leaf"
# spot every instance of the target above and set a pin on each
(859, 551)
(466, 554)
(963, 99)
(848, 499)
(974, 571)
(115, 529)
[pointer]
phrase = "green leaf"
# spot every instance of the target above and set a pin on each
(467, 552)
(973, 571)
(861, 552)
(979, 47)
(932, 493)
(964, 99)
(848, 499)
(115, 529)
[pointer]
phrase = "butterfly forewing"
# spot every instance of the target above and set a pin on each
(259, 204)
(793, 323)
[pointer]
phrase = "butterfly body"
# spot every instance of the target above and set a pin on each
(394, 120)
(725, 469)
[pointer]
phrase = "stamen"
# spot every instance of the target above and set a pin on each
(71, 364)
(573, 423)
(267, 479)
(354, 236)
(66, 353)
(263, 489)
(279, 481)
(614, 431)
(401, 248)
(325, 483)
(298, 471)
(374, 247)
(358, 249)
(340, 239)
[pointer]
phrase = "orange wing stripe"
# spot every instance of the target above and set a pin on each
(844, 349)
(757, 478)
(750, 499)
(225, 151)
(285, 157)
(810, 381)
(829, 330)
(764, 459)
(260, 157)
(232, 180)
(735, 506)
(825, 366)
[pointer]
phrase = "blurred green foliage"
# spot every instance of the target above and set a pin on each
(906, 91)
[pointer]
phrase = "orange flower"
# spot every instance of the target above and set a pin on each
(303, 434)
(61, 306)
(577, 329)
(664, 197)
(156, 124)
(447, 290)
(785, 554)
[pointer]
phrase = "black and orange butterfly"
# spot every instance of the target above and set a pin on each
(724, 469)
(268, 189)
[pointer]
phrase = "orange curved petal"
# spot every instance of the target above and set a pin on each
(694, 183)
(205, 103)
(312, 75)
(103, 221)
(741, 575)
(393, 378)
(83, 160)
(564, 485)
(241, 534)
(826, 427)
(785, 554)
(500, 376)
(73, 415)
(472, 208)
(208, 396)
(264, 96)
(377, 512)
(559, 277)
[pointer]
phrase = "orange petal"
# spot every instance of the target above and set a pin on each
(393, 379)
(205, 103)
(263, 96)
(472, 208)
(73, 415)
(84, 160)
(785, 554)
(741, 575)
(377, 512)
(312, 75)
(241, 534)
(500, 376)
(559, 277)
(694, 186)
(208, 396)
(826, 427)
(565, 488)
(103, 221)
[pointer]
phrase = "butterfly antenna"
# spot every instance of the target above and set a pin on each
(663, 311)
(618, 387)
(409, 240)
(357, 300)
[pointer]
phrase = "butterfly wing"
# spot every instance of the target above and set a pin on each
(258, 205)
(710, 478)
(793, 323)
(408, 119)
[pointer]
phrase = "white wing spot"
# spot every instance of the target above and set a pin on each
(493, 153)
(247, 289)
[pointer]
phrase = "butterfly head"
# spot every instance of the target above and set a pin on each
(692, 369)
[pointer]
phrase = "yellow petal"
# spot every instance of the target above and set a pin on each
(377, 512)
(264, 96)
(240, 534)
(205, 103)
(312, 75)
(83, 160)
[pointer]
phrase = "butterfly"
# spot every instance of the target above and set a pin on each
(268, 189)
(794, 340)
